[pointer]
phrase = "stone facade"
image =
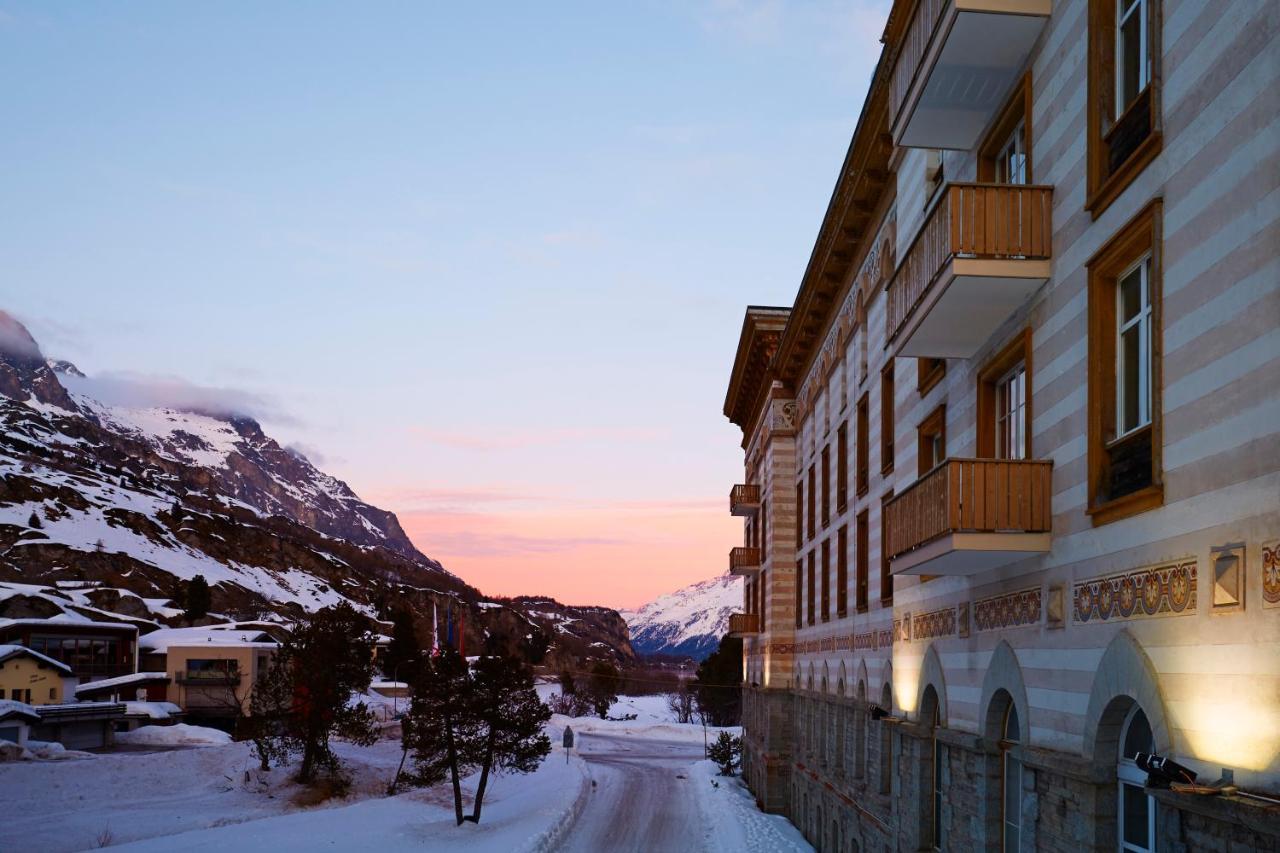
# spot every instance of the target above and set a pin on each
(1022, 614)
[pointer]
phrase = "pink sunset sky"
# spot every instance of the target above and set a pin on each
(489, 272)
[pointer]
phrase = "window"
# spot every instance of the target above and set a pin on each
(1004, 157)
(1124, 424)
(886, 571)
(842, 467)
(1136, 809)
(826, 580)
(1133, 70)
(935, 174)
(764, 597)
(799, 592)
(813, 494)
(1011, 779)
(862, 451)
(1133, 348)
(1123, 131)
(764, 528)
(1004, 402)
(842, 572)
(811, 588)
(886, 418)
(53, 693)
(886, 742)
(929, 372)
(938, 835)
(799, 514)
(861, 547)
(826, 485)
(932, 440)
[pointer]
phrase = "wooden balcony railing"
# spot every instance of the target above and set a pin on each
(970, 496)
(914, 47)
(744, 499)
(744, 623)
(741, 559)
(209, 677)
(984, 221)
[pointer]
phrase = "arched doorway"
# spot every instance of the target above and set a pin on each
(1136, 810)
(1011, 780)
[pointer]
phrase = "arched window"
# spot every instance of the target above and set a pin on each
(1012, 780)
(938, 836)
(860, 733)
(886, 743)
(1136, 809)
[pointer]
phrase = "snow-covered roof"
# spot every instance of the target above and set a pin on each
(8, 651)
(121, 681)
(13, 708)
(67, 620)
(160, 641)
(151, 710)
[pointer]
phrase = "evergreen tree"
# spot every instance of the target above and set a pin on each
(725, 752)
(719, 684)
(510, 717)
(34, 521)
(198, 599)
(328, 657)
(602, 687)
(404, 644)
(440, 728)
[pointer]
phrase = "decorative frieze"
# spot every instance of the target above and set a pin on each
(1163, 590)
(934, 624)
(1011, 610)
(1271, 574)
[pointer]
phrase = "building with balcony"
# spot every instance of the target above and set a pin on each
(92, 650)
(1011, 494)
(211, 671)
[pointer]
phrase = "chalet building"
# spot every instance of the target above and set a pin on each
(1012, 456)
(210, 671)
(93, 650)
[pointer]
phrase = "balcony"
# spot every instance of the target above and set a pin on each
(744, 561)
(741, 624)
(957, 66)
(970, 515)
(744, 500)
(983, 250)
(208, 677)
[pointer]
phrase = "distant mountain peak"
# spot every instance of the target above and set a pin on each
(689, 621)
(24, 375)
(64, 368)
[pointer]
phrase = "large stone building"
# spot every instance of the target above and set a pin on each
(1012, 494)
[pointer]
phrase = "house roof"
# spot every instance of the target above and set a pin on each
(109, 684)
(64, 622)
(11, 708)
(11, 651)
(762, 329)
(158, 642)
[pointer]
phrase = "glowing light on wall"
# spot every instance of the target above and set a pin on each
(1241, 731)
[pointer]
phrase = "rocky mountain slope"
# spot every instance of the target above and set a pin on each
(687, 622)
(128, 503)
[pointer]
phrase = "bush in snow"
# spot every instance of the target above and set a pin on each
(34, 522)
(680, 703)
(303, 700)
(460, 719)
(725, 752)
(197, 599)
(602, 687)
(569, 704)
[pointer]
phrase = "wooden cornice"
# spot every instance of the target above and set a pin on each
(762, 329)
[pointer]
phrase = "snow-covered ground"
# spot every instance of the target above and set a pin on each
(212, 798)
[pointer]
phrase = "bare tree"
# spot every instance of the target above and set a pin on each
(680, 702)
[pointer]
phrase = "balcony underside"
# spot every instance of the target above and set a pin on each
(969, 553)
(744, 571)
(970, 300)
(968, 72)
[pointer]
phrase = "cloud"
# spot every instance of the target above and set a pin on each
(510, 439)
(309, 452)
(140, 391)
(15, 339)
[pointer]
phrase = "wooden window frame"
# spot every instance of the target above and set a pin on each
(1016, 109)
(888, 399)
(842, 467)
(862, 449)
(1142, 235)
(826, 580)
(811, 599)
(862, 546)
(929, 372)
(886, 570)
(1017, 350)
(800, 593)
(826, 486)
(1105, 183)
(842, 572)
(935, 423)
(812, 528)
(800, 512)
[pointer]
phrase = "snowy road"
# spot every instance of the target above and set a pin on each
(643, 798)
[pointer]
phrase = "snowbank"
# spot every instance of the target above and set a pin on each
(735, 822)
(180, 734)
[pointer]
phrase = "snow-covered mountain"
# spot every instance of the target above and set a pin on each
(135, 500)
(687, 622)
